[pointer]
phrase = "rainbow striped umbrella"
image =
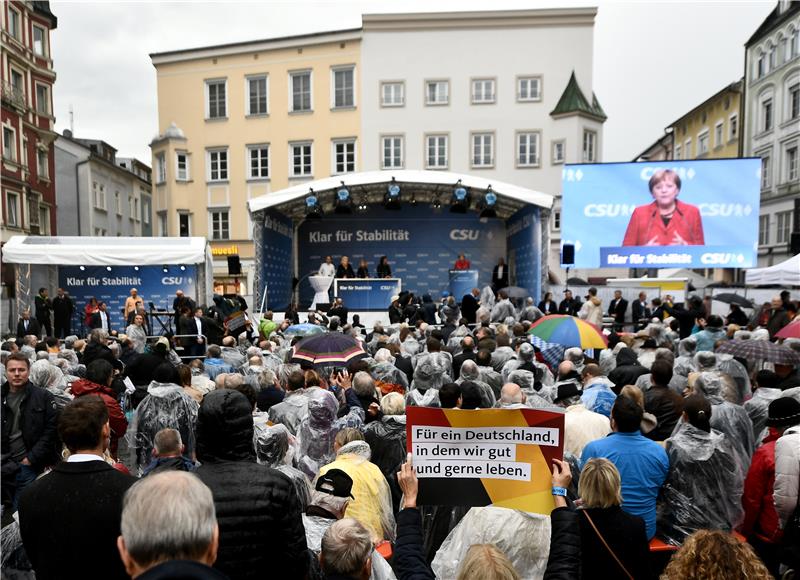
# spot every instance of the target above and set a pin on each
(330, 349)
(568, 331)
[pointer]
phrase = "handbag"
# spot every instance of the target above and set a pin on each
(610, 551)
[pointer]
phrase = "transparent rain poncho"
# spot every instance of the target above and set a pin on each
(388, 373)
(423, 398)
(471, 372)
(734, 369)
(487, 297)
(293, 409)
(704, 487)
(276, 448)
(429, 375)
(317, 432)
(535, 399)
(757, 408)
(523, 537)
(49, 377)
(503, 310)
(13, 560)
(501, 356)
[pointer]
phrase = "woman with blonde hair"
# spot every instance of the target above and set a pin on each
(486, 562)
(715, 555)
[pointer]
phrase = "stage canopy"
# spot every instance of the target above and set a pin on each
(784, 274)
(90, 251)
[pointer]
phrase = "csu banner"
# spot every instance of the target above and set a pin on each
(662, 214)
(277, 260)
(422, 244)
(112, 285)
(501, 457)
(523, 231)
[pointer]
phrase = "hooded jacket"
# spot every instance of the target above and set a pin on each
(592, 311)
(787, 473)
(259, 516)
(116, 418)
(387, 440)
(628, 369)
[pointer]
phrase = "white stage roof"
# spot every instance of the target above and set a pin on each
(99, 251)
(786, 273)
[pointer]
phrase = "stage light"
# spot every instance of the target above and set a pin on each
(165, 269)
(136, 268)
(82, 268)
(436, 203)
(391, 200)
(108, 268)
(488, 204)
(362, 205)
(460, 201)
(183, 268)
(343, 202)
(313, 207)
(413, 201)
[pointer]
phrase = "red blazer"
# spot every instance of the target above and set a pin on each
(760, 518)
(462, 265)
(116, 417)
(646, 224)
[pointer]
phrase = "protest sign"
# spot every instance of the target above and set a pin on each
(500, 457)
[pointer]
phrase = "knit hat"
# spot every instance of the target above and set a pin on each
(783, 412)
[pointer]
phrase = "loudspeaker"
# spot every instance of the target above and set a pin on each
(794, 244)
(568, 254)
(234, 265)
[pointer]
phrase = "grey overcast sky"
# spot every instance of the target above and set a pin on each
(652, 61)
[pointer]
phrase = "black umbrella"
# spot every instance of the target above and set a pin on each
(577, 281)
(760, 350)
(731, 298)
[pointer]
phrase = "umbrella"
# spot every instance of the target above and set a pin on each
(304, 329)
(730, 298)
(515, 292)
(791, 330)
(329, 349)
(568, 331)
(760, 350)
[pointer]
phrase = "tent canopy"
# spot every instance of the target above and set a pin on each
(785, 274)
(424, 185)
(98, 251)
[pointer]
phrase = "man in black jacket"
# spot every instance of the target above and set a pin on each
(468, 353)
(70, 518)
(43, 308)
(662, 401)
(29, 442)
(259, 514)
(640, 312)
(617, 309)
(101, 319)
(570, 305)
(686, 317)
(28, 326)
(62, 314)
(340, 310)
(627, 371)
(500, 275)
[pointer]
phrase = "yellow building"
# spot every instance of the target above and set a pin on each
(240, 120)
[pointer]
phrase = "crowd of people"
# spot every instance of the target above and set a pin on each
(215, 456)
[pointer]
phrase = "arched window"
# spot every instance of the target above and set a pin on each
(760, 69)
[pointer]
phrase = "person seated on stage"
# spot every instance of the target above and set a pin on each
(363, 269)
(345, 269)
(327, 268)
(383, 269)
(462, 263)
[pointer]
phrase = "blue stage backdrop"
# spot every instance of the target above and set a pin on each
(113, 287)
(523, 231)
(422, 244)
(277, 260)
(599, 201)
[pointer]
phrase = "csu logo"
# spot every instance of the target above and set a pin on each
(461, 235)
(172, 280)
(721, 258)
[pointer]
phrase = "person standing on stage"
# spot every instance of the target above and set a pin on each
(132, 302)
(363, 269)
(345, 270)
(383, 270)
(327, 268)
(100, 319)
(43, 308)
(617, 309)
(500, 275)
(570, 305)
(641, 313)
(462, 263)
(62, 314)
(180, 303)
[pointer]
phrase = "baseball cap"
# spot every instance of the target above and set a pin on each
(335, 482)
(163, 341)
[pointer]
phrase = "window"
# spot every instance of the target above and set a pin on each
(718, 134)
(702, 143)
(393, 94)
(344, 156)
(437, 92)
(9, 144)
(181, 166)
(118, 202)
(528, 149)
(529, 89)
(216, 99)
(482, 149)
(146, 210)
(558, 153)
(300, 86)
(761, 66)
(556, 220)
(18, 81)
(12, 209)
(766, 168)
(733, 127)
(677, 151)
(794, 101)
(39, 41)
(42, 99)
(791, 164)
(184, 224)
(44, 220)
(773, 57)
(482, 91)
(796, 42)
(763, 230)
(99, 195)
(14, 28)
(220, 225)
(589, 146)
(392, 152)
(344, 87)
(300, 159)
(42, 164)
(687, 148)
(258, 161)
(217, 161)
(787, 48)
(436, 151)
(161, 168)
(784, 219)
(766, 115)
(257, 95)
(100, 232)
(132, 207)
(162, 223)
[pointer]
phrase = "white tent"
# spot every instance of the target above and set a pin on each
(784, 274)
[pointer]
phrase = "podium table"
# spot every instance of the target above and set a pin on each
(367, 293)
(321, 285)
(461, 282)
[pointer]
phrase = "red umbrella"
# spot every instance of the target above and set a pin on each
(791, 330)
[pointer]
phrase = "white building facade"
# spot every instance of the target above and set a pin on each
(505, 95)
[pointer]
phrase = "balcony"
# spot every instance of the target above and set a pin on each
(13, 96)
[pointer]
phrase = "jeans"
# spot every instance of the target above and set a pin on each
(25, 476)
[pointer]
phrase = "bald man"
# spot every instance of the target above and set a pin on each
(512, 397)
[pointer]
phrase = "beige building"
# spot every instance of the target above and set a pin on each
(240, 120)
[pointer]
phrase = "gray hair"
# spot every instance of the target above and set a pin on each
(345, 548)
(99, 336)
(266, 378)
(168, 516)
(393, 404)
(574, 355)
(363, 384)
